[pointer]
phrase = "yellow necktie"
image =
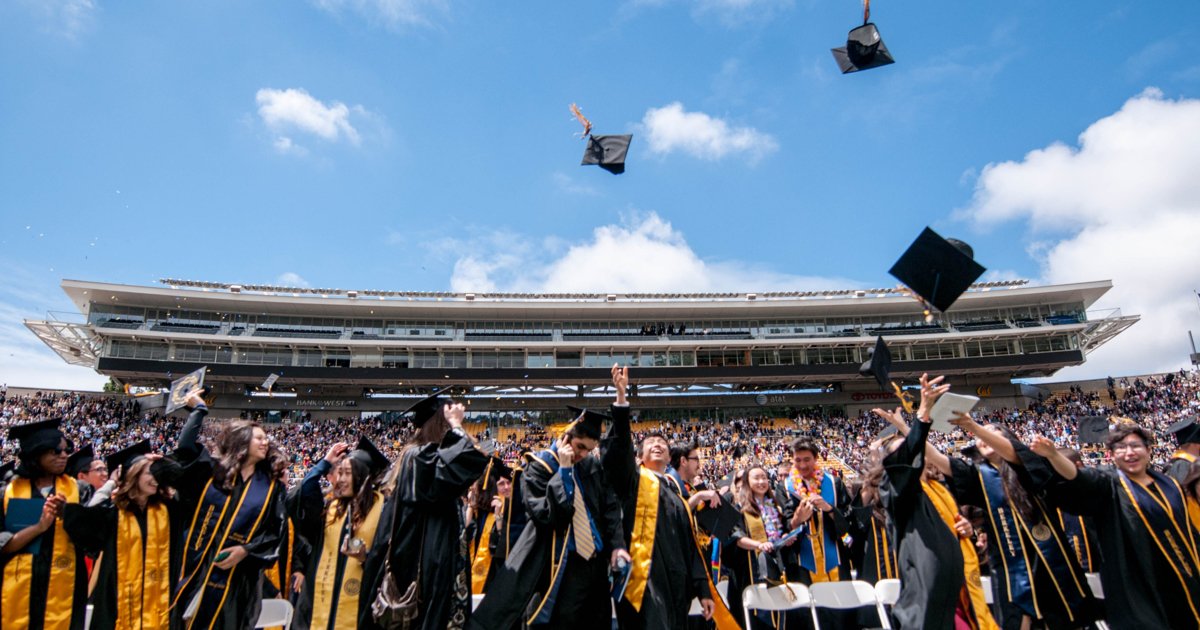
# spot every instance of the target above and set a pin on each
(584, 545)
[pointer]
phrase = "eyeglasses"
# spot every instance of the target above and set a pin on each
(693, 458)
(1128, 446)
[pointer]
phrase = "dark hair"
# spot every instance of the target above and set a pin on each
(1125, 429)
(874, 476)
(577, 430)
(649, 436)
(1072, 455)
(432, 431)
(1012, 483)
(679, 453)
(232, 447)
(745, 496)
(805, 444)
(364, 493)
(128, 489)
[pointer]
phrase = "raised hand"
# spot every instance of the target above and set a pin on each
(336, 452)
(565, 452)
(194, 398)
(454, 412)
(931, 390)
(1043, 446)
(620, 381)
(963, 421)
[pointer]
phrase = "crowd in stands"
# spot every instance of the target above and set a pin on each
(1155, 402)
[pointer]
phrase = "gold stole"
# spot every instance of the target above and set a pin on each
(1184, 456)
(143, 589)
(755, 527)
(885, 567)
(1193, 508)
(482, 562)
(940, 497)
(18, 573)
(346, 615)
(641, 542)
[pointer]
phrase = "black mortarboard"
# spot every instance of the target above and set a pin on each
(128, 456)
(181, 387)
(372, 457)
(1093, 430)
(1186, 431)
(427, 407)
(887, 432)
(589, 423)
(879, 365)
(608, 152)
(864, 50)
(937, 270)
(81, 460)
(717, 521)
(37, 436)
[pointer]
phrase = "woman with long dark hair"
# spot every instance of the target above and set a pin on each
(135, 534)
(342, 532)
(752, 554)
(236, 504)
(1038, 581)
(427, 548)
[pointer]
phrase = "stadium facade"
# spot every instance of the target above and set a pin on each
(342, 353)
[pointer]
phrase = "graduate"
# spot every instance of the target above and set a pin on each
(1187, 439)
(85, 466)
(754, 557)
(931, 540)
(134, 532)
(667, 571)
(284, 579)
(235, 511)
(43, 577)
(341, 532)
(496, 517)
(557, 574)
(1038, 577)
(425, 532)
(819, 500)
(1150, 572)
(1081, 531)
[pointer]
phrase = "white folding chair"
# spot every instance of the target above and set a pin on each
(722, 590)
(777, 598)
(475, 599)
(844, 596)
(87, 618)
(275, 612)
(986, 583)
(887, 593)
(1094, 583)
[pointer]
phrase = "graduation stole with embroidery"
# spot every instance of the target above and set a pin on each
(810, 548)
(143, 580)
(641, 542)
(18, 573)
(946, 508)
(1170, 527)
(350, 586)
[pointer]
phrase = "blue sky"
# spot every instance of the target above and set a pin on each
(421, 144)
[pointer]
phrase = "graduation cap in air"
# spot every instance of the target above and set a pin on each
(495, 471)
(427, 407)
(886, 433)
(1186, 431)
(879, 366)
(589, 423)
(937, 270)
(370, 456)
(1093, 430)
(128, 456)
(717, 521)
(181, 387)
(607, 151)
(37, 436)
(81, 460)
(864, 47)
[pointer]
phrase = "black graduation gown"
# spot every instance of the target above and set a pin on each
(507, 530)
(41, 571)
(1178, 468)
(931, 561)
(677, 573)
(238, 605)
(875, 542)
(95, 529)
(836, 521)
(523, 579)
(426, 528)
(1141, 590)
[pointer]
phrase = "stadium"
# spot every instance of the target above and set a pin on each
(344, 353)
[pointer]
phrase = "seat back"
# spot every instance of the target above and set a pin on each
(1093, 580)
(275, 612)
(842, 595)
(986, 583)
(887, 592)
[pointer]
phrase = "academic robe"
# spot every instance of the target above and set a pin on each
(491, 546)
(332, 580)
(250, 514)
(1180, 466)
(38, 604)
(676, 572)
(1041, 579)
(1150, 575)
(876, 542)
(821, 554)
(747, 567)
(931, 561)
(544, 580)
(130, 563)
(422, 520)
(1082, 538)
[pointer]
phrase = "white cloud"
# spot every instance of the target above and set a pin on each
(389, 13)
(670, 128)
(290, 111)
(67, 18)
(643, 254)
(291, 279)
(1123, 204)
